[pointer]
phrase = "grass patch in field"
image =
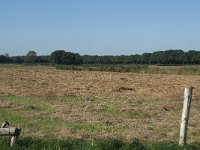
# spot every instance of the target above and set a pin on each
(116, 112)
(189, 70)
(99, 67)
(135, 68)
(150, 69)
(25, 103)
(145, 119)
(28, 143)
(64, 100)
(10, 65)
(34, 115)
(88, 127)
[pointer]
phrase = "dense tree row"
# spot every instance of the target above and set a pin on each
(62, 57)
(5, 59)
(57, 57)
(159, 57)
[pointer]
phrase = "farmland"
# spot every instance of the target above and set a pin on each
(53, 103)
(48, 81)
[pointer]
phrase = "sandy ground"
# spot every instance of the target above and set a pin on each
(47, 81)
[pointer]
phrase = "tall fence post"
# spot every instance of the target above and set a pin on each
(185, 115)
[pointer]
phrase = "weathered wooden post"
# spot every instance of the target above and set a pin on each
(5, 130)
(185, 115)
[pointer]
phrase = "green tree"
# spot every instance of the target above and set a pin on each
(2, 59)
(5, 58)
(62, 57)
(30, 57)
(57, 57)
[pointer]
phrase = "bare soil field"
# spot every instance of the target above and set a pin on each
(47, 81)
(92, 104)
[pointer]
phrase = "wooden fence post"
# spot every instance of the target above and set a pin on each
(5, 130)
(185, 115)
(13, 141)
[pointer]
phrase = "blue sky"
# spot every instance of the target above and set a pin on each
(98, 27)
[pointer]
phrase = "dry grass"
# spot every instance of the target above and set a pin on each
(97, 104)
(47, 81)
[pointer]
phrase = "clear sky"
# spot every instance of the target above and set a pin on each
(98, 27)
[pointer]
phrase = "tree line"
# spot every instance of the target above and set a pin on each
(167, 57)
